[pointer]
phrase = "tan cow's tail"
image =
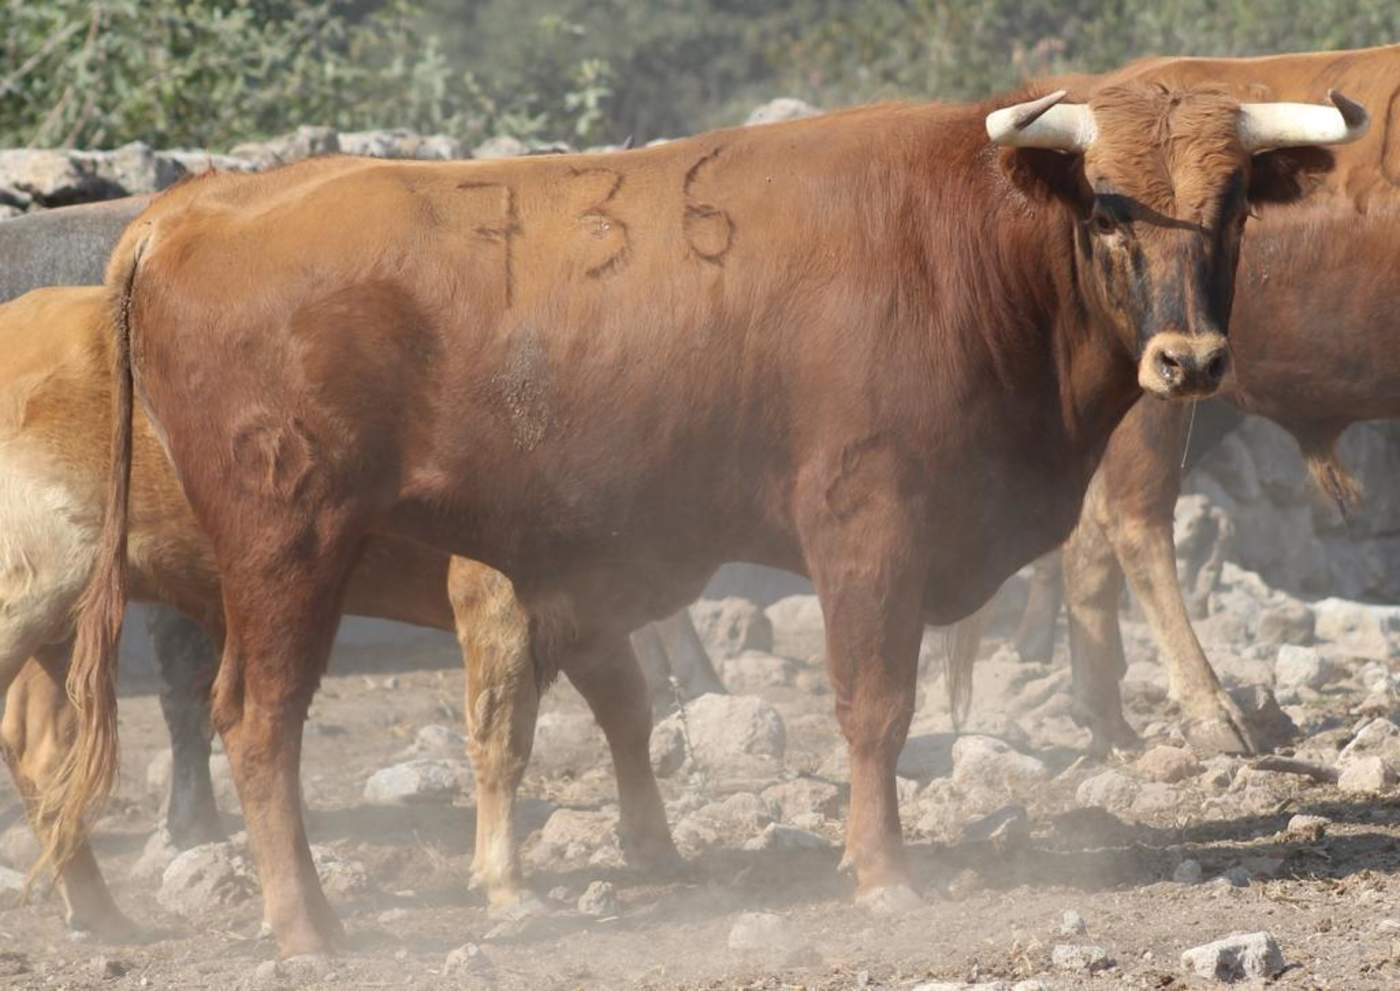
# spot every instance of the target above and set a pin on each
(89, 770)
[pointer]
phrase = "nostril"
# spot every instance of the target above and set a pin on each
(1169, 365)
(1215, 368)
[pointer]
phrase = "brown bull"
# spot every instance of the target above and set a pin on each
(872, 347)
(1367, 177)
(1318, 348)
(55, 411)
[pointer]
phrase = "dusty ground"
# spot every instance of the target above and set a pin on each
(993, 908)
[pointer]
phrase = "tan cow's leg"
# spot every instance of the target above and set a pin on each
(502, 701)
(1035, 634)
(37, 731)
(282, 609)
(1214, 723)
(1093, 586)
(608, 676)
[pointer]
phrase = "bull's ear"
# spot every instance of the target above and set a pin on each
(1042, 174)
(1288, 174)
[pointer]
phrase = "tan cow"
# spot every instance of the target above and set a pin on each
(55, 411)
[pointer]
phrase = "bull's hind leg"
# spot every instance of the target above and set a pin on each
(871, 586)
(37, 731)
(282, 604)
(187, 660)
(609, 677)
(502, 701)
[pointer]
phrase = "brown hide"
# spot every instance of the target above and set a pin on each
(55, 358)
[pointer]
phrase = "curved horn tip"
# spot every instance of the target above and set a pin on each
(1355, 115)
(1028, 113)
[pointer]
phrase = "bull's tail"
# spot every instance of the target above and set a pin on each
(960, 645)
(1320, 455)
(87, 774)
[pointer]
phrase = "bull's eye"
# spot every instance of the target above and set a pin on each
(1103, 224)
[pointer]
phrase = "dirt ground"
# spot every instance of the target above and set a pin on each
(993, 908)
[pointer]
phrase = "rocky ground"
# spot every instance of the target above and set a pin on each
(1040, 868)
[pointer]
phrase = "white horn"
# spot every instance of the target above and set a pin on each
(1043, 123)
(1288, 125)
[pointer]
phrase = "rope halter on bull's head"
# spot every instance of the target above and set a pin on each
(1070, 127)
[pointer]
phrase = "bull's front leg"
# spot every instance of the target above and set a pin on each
(870, 580)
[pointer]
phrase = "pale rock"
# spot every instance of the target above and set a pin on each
(926, 756)
(204, 878)
(1366, 775)
(573, 838)
(784, 108)
(1154, 798)
(468, 960)
(155, 857)
(1168, 764)
(599, 899)
(776, 836)
(1300, 669)
(1364, 630)
(501, 146)
(1308, 828)
(307, 141)
(987, 762)
(1072, 924)
(339, 875)
(755, 671)
(1239, 956)
(1111, 790)
(1188, 872)
(1080, 959)
(730, 626)
(1376, 738)
(436, 740)
(802, 796)
(424, 781)
(798, 630)
(761, 932)
(732, 738)
(19, 847)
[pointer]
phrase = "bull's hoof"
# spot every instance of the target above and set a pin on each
(110, 926)
(515, 906)
(1210, 737)
(890, 900)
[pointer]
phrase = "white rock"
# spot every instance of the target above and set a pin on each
(467, 960)
(599, 899)
(574, 838)
(1364, 630)
(1239, 956)
(987, 762)
(925, 757)
(1188, 872)
(435, 740)
(1366, 775)
(206, 877)
(1072, 924)
(1168, 764)
(1083, 959)
(798, 630)
(339, 875)
(1110, 790)
(782, 109)
(730, 626)
(502, 146)
(732, 738)
(1300, 668)
(804, 796)
(761, 932)
(776, 836)
(756, 671)
(421, 781)
(159, 851)
(1308, 827)
(1376, 738)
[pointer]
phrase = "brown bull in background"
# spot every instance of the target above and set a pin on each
(870, 346)
(1367, 178)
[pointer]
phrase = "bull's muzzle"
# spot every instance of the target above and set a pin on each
(1183, 366)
